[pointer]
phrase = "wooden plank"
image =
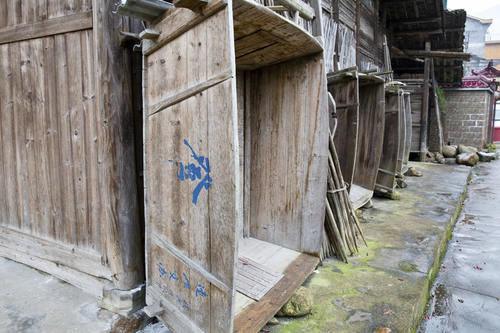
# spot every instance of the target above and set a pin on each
(305, 11)
(257, 315)
(67, 224)
(53, 139)
(253, 279)
(4, 102)
(370, 140)
(387, 169)
(20, 136)
(347, 93)
(59, 25)
(8, 135)
(77, 137)
(40, 148)
(91, 141)
(27, 105)
(70, 256)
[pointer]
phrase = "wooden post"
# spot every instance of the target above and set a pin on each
(117, 171)
(424, 116)
(436, 108)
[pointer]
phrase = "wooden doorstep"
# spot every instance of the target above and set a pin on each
(256, 315)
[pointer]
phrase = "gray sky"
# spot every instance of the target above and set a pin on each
(485, 9)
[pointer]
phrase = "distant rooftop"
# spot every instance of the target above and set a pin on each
(482, 21)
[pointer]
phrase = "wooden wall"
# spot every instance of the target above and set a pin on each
(289, 123)
(67, 142)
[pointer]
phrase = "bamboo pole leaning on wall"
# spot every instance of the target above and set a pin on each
(342, 229)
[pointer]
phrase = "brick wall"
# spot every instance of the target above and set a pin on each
(466, 118)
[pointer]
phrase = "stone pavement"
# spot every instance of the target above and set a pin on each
(32, 301)
(466, 294)
(386, 285)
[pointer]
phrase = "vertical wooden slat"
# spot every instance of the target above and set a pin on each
(8, 137)
(64, 125)
(41, 173)
(91, 138)
(4, 213)
(77, 135)
(17, 58)
(53, 142)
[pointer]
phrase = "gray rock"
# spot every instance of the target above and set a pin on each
(486, 157)
(469, 159)
(300, 304)
(440, 158)
(430, 157)
(449, 151)
(450, 160)
(466, 149)
(401, 183)
(412, 172)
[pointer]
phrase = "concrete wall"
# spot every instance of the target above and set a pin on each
(475, 32)
(466, 118)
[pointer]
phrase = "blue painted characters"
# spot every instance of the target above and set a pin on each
(195, 171)
(175, 280)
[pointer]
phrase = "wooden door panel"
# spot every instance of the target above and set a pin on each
(191, 166)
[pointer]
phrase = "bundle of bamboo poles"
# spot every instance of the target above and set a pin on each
(341, 228)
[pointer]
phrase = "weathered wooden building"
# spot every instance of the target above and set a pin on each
(235, 161)
(68, 190)
(427, 52)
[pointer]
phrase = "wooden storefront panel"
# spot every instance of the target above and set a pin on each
(192, 186)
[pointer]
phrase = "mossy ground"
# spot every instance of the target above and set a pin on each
(386, 284)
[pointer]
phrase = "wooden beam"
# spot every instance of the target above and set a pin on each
(422, 20)
(305, 11)
(439, 54)
(424, 115)
(50, 27)
(117, 170)
(425, 32)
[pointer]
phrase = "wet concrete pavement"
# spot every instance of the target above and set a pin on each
(466, 293)
(385, 286)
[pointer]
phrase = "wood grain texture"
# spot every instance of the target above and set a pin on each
(19, 12)
(198, 232)
(388, 166)
(116, 154)
(58, 25)
(346, 95)
(287, 171)
(263, 37)
(370, 141)
(62, 147)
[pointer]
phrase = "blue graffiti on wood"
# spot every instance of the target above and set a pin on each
(195, 171)
(169, 290)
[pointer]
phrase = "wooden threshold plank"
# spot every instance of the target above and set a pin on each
(257, 314)
(58, 25)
